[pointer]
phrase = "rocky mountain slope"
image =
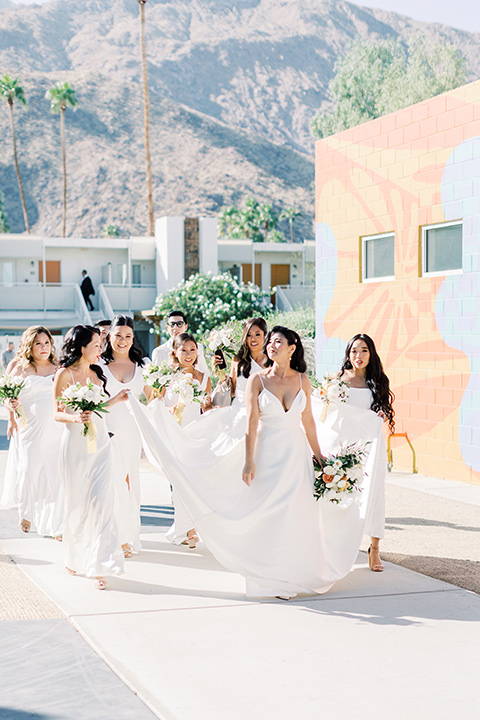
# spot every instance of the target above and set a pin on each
(234, 84)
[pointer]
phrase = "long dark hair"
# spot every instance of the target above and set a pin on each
(135, 353)
(375, 379)
(179, 340)
(243, 356)
(297, 361)
(77, 338)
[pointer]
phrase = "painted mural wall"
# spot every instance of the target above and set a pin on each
(415, 167)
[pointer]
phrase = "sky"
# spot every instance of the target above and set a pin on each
(463, 14)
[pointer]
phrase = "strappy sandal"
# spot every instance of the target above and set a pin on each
(192, 541)
(70, 571)
(374, 567)
(24, 525)
(100, 584)
(127, 551)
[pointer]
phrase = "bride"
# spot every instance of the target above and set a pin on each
(268, 528)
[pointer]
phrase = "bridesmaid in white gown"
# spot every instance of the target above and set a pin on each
(39, 491)
(91, 543)
(123, 361)
(360, 419)
(184, 357)
(9, 497)
(268, 528)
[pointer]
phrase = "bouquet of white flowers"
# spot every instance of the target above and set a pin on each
(89, 397)
(341, 474)
(330, 390)
(221, 342)
(10, 389)
(188, 391)
(158, 376)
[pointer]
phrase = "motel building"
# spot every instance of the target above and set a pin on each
(40, 277)
(398, 257)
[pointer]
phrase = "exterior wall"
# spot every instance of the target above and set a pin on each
(415, 167)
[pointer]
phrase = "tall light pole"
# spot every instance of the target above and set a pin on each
(146, 111)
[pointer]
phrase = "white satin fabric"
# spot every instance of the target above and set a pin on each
(126, 454)
(272, 533)
(39, 491)
(349, 422)
(10, 483)
(90, 536)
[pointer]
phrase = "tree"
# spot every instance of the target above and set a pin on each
(255, 221)
(146, 112)
(12, 91)
(378, 77)
(268, 218)
(290, 214)
(61, 95)
(4, 224)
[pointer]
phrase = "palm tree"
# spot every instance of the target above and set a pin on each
(290, 214)
(146, 112)
(61, 95)
(11, 91)
(268, 218)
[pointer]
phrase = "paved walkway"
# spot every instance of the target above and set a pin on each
(175, 637)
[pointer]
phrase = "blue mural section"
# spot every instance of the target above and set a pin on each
(457, 308)
(329, 350)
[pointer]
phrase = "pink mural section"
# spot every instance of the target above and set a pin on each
(398, 174)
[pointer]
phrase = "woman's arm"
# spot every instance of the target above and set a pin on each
(308, 422)
(60, 383)
(233, 376)
(122, 396)
(253, 414)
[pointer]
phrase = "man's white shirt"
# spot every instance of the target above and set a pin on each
(162, 354)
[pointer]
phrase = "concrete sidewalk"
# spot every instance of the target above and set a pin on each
(176, 638)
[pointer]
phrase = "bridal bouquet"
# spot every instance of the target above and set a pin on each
(221, 341)
(86, 397)
(158, 377)
(341, 474)
(331, 390)
(10, 389)
(188, 391)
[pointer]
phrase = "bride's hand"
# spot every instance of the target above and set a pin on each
(248, 474)
(12, 403)
(122, 396)
(85, 416)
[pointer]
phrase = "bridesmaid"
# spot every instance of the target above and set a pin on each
(90, 533)
(184, 357)
(370, 389)
(39, 491)
(123, 362)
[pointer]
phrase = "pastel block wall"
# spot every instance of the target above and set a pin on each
(415, 167)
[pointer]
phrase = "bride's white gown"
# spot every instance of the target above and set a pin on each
(39, 488)
(272, 532)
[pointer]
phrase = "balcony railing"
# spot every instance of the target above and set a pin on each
(289, 297)
(129, 299)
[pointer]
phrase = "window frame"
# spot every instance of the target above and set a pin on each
(437, 273)
(364, 239)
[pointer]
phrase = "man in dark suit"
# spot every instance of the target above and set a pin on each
(87, 289)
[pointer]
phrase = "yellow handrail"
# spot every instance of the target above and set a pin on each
(390, 454)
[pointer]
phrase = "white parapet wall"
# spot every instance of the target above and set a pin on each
(169, 240)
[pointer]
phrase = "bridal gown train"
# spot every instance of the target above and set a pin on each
(40, 488)
(127, 451)
(272, 532)
(90, 536)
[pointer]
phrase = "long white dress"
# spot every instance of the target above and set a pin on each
(40, 489)
(349, 422)
(183, 522)
(10, 484)
(272, 532)
(90, 536)
(127, 451)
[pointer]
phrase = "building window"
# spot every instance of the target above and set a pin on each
(378, 257)
(136, 274)
(442, 248)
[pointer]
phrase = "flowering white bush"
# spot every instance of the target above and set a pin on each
(212, 300)
(341, 474)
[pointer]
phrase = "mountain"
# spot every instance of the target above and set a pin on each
(234, 84)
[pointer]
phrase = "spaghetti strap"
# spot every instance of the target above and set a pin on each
(71, 375)
(301, 385)
(261, 380)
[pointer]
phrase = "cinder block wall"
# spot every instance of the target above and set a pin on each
(415, 167)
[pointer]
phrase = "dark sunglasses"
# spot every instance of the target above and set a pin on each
(176, 323)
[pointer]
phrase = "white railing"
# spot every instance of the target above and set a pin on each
(295, 296)
(81, 308)
(130, 299)
(105, 305)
